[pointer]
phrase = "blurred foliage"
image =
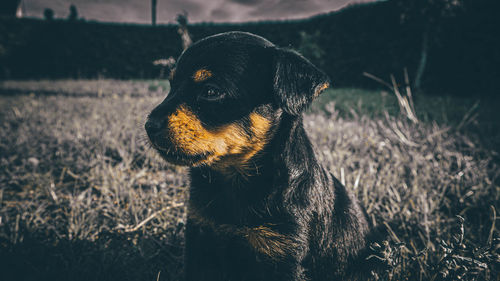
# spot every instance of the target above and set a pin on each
(360, 38)
(48, 14)
(432, 10)
(309, 47)
(9, 7)
(73, 13)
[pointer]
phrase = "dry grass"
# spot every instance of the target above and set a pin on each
(84, 198)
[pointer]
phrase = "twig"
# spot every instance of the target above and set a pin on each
(408, 89)
(492, 230)
(392, 233)
(471, 260)
(51, 192)
(152, 216)
(400, 134)
(373, 77)
(467, 117)
(405, 103)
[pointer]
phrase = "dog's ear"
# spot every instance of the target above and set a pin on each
(296, 81)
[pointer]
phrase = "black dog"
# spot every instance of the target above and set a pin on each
(260, 205)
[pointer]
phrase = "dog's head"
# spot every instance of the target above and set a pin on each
(227, 92)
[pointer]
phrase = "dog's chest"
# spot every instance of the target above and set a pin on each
(262, 241)
(241, 222)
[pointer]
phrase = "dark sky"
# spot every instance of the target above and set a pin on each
(139, 11)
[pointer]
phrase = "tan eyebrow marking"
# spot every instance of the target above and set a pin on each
(202, 75)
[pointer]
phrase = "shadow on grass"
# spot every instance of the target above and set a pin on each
(38, 256)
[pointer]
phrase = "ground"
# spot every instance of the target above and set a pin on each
(83, 196)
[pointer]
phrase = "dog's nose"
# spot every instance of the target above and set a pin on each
(153, 126)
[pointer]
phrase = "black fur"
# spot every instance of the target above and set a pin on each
(284, 217)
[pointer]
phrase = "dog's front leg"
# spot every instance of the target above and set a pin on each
(212, 256)
(202, 261)
(289, 269)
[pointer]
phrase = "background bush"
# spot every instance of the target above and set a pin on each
(463, 56)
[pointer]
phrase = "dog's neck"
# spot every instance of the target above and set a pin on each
(293, 154)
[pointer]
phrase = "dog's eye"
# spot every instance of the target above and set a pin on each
(211, 94)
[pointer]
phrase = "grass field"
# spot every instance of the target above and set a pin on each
(83, 197)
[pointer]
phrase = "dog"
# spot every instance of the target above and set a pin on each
(260, 205)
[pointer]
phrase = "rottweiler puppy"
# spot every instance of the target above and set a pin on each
(260, 205)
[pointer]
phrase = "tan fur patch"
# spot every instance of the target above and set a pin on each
(268, 242)
(228, 145)
(321, 88)
(202, 75)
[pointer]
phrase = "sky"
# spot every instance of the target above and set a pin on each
(139, 11)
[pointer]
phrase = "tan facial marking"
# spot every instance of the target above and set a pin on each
(202, 75)
(321, 88)
(228, 145)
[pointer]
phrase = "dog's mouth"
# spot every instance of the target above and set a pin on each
(183, 160)
(173, 155)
